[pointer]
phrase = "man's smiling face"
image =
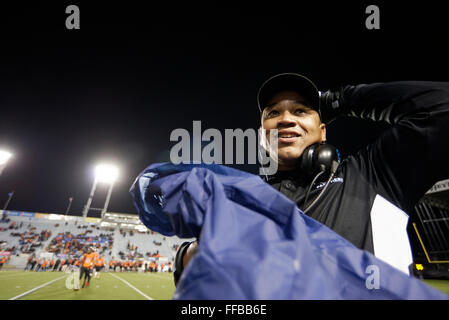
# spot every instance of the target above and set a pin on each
(298, 125)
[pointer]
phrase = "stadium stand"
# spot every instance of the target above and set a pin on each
(123, 238)
(429, 233)
(46, 238)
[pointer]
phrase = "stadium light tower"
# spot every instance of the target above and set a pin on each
(107, 174)
(4, 158)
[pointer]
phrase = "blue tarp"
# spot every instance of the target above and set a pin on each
(254, 243)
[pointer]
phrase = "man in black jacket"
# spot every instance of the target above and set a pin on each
(369, 196)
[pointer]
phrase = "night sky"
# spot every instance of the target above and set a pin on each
(115, 89)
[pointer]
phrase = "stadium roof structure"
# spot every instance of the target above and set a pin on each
(123, 221)
(438, 195)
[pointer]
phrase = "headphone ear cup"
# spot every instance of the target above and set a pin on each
(307, 160)
(326, 155)
(318, 157)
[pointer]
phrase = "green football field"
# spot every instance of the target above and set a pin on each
(21, 285)
(442, 285)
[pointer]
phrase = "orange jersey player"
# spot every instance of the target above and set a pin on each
(99, 264)
(87, 263)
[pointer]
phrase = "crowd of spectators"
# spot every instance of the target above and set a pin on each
(131, 253)
(29, 239)
(68, 247)
(11, 226)
(69, 244)
(4, 218)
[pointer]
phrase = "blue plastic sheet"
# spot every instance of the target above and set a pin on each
(255, 243)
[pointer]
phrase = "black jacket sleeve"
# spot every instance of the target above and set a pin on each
(413, 154)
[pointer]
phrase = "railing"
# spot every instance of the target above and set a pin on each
(434, 240)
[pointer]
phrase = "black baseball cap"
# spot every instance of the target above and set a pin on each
(289, 81)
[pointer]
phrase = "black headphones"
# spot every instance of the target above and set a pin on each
(317, 158)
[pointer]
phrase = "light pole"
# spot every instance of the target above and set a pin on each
(108, 198)
(4, 157)
(106, 174)
(68, 207)
(9, 199)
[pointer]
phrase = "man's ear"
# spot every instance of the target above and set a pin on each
(323, 131)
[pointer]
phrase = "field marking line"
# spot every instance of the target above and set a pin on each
(37, 288)
(131, 286)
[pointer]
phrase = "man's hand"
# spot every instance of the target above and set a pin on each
(191, 250)
(330, 106)
(185, 252)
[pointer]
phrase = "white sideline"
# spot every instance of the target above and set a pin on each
(37, 288)
(131, 286)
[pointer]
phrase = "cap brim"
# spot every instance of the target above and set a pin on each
(288, 81)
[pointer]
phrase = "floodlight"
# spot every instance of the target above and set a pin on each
(4, 156)
(106, 173)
